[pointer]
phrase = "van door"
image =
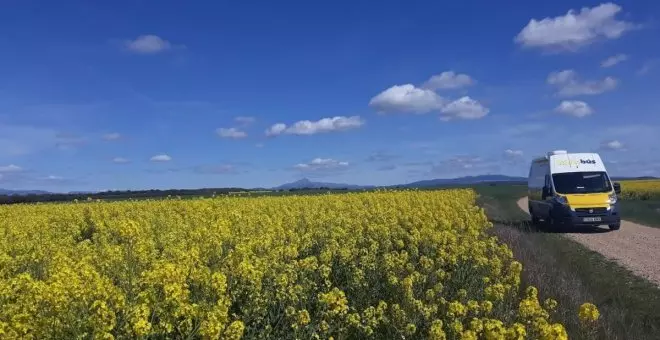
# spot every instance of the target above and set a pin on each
(546, 196)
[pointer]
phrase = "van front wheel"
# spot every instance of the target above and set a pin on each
(535, 220)
(615, 226)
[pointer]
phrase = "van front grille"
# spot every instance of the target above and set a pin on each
(591, 210)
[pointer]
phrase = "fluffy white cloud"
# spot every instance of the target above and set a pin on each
(464, 108)
(231, 133)
(513, 153)
(574, 108)
(245, 120)
(322, 164)
(613, 60)
(276, 129)
(448, 80)
(407, 99)
(613, 145)
(569, 84)
(575, 29)
(112, 136)
(120, 160)
(148, 44)
(161, 158)
(307, 127)
(10, 168)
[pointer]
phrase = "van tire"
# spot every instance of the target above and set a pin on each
(615, 226)
(551, 222)
(535, 220)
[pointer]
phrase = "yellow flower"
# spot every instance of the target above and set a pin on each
(319, 266)
(456, 309)
(436, 332)
(588, 313)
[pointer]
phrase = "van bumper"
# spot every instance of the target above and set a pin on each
(585, 216)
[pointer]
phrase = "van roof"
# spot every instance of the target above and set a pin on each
(576, 162)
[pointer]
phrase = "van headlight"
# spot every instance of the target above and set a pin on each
(561, 200)
(611, 199)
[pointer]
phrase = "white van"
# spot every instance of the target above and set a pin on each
(572, 189)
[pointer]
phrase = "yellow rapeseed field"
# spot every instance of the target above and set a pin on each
(640, 189)
(382, 265)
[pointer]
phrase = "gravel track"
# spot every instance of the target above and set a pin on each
(634, 246)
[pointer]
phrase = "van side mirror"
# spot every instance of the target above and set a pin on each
(617, 187)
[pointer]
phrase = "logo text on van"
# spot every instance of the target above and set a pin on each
(573, 162)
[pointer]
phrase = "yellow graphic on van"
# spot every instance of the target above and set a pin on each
(596, 200)
(574, 162)
(567, 162)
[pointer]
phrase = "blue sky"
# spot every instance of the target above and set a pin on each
(164, 94)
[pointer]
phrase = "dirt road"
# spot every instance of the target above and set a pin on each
(634, 246)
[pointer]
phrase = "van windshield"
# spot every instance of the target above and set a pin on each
(581, 182)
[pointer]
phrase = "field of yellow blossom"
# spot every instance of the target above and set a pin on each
(388, 264)
(640, 189)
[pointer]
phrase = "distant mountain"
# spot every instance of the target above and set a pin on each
(307, 184)
(22, 192)
(463, 181)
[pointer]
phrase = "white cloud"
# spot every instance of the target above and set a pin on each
(464, 108)
(574, 108)
(120, 160)
(407, 99)
(613, 60)
(10, 168)
(276, 129)
(148, 44)
(614, 145)
(448, 80)
(569, 85)
(322, 164)
(245, 120)
(306, 127)
(575, 29)
(112, 136)
(513, 153)
(161, 158)
(231, 133)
